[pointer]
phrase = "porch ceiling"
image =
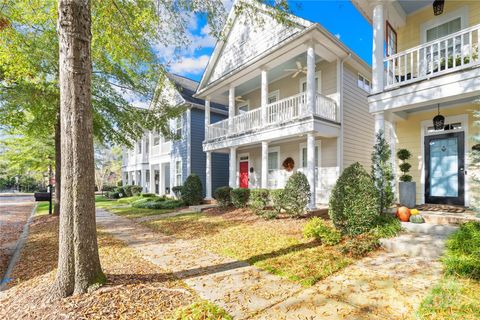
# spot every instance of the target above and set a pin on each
(410, 6)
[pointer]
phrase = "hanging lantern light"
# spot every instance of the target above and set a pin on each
(438, 120)
(438, 7)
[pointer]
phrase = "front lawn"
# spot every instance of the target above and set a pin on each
(135, 288)
(276, 246)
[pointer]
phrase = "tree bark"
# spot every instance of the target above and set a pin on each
(78, 260)
(58, 169)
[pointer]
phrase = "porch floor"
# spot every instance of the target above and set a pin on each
(447, 214)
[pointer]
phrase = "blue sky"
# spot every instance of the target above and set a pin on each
(339, 17)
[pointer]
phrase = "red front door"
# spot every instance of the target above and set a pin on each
(244, 174)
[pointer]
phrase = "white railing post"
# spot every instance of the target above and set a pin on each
(378, 43)
(233, 168)
(231, 108)
(311, 90)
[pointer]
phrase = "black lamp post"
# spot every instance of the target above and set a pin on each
(438, 7)
(438, 120)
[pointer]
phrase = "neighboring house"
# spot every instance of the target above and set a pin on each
(297, 101)
(158, 163)
(424, 64)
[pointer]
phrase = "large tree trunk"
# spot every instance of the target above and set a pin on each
(78, 261)
(58, 167)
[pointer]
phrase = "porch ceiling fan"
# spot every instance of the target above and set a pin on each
(298, 70)
(239, 99)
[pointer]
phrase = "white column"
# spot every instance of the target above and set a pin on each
(311, 79)
(207, 116)
(311, 169)
(152, 180)
(264, 180)
(379, 122)
(233, 168)
(130, 178)
(208, 176)
(378, 23)
(143, 180)
(264, 95)
(231, 107)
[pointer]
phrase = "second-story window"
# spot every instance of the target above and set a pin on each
(391, 40)
(178, 126)
(156, 139)
(139, 147)
(147, 144)
(364, 83)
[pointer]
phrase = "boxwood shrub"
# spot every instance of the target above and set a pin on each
(353, 205)
(296, 194)
(222, 195)
(161, 203)
(462, 256)
(192, 192)
(277, 199)
(136, 190)
(240, 197)
(258, 199)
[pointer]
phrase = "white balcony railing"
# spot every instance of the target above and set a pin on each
(278, 112)
(456, 51)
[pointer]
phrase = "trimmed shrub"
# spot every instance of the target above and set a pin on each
(222, 195)
(128, 190)
(120, 191)
(360, 246)
(296, 194)
(240, 197)
(258, 199)
(136, 190)
(354, 201)
(108, 188)
(269, 214)
(112, 195)
(148, 195)
(192, 192)
(319, 229)
(177, 191)
(462, 256)
(161, 203)
(277, 199)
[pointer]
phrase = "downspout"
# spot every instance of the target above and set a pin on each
(340, 153)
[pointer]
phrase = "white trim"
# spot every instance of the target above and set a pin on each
(240, 155)
(461, 13)
(188, 134)
(245, 103)
(176, 160)
(318, 75)
(463, 119)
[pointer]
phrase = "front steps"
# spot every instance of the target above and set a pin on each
(419, 240)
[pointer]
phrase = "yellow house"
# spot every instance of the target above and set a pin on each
(424, 63)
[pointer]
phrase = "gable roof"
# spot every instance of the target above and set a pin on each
(186, 88)
(242, 45)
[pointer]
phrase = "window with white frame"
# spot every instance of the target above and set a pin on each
(304, 157)
(156, 139)
(147, 144)
(273, 166)
(178, 173)
(139, 147)
(363, 83)
(178, 126)
(318, 82)
(443, 29)
(391, 40)
(273, 96)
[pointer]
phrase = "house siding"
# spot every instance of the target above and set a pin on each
(358, 124)
(198, 157)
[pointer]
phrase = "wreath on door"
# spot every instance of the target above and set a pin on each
(288, 164)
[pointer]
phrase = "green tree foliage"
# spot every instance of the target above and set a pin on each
(404, 155)
(353, 205)
(382, 171)
(297, 194)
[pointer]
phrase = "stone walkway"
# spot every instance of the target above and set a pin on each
(383, 286)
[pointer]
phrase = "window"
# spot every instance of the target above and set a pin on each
(139, 147)
(147, 145)
(178, 126)
(391, 40)
(273, 166)
(273, 96)
(318, 83)
(156, 139)
(304, 157)
(243, 107)
(178, 173)
(444, 29)
(272, 161)
(364, 83)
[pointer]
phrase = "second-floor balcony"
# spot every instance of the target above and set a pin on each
(274, 114)
(448, 54)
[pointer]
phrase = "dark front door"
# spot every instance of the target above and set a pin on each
(444, 169)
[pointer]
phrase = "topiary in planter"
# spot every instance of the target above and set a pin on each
(240, 197)
(296, 194)
(353, 205)
(191, 192)
(404, 155)
(222, 195)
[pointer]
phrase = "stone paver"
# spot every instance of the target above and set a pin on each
(383, 286)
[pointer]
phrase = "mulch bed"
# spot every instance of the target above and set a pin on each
(135, 289)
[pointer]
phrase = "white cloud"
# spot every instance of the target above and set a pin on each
(338, 35)
(191, 65)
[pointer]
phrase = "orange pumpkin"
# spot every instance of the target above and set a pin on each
(403, 213)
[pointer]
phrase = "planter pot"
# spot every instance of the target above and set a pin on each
(408, 195)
